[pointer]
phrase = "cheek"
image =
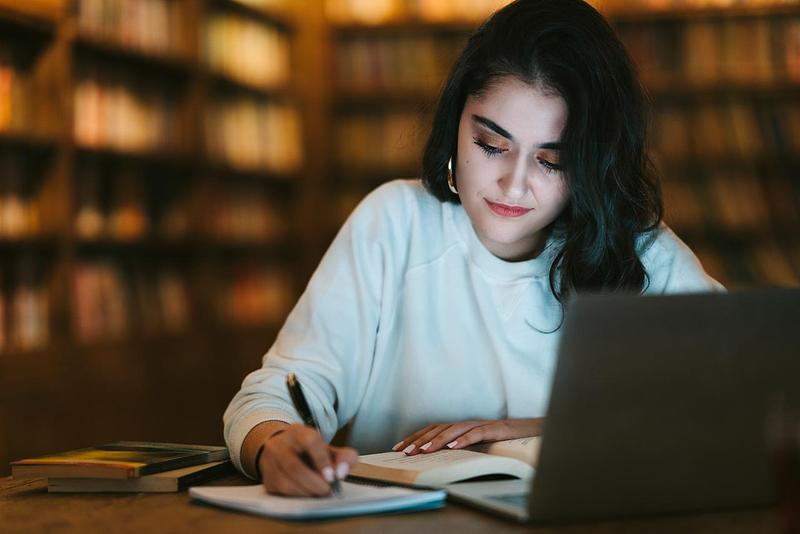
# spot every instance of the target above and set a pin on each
(555, 195)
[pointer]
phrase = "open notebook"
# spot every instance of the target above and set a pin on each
(355, 499)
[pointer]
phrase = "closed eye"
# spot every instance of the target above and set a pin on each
(549, 166)
(489, 149)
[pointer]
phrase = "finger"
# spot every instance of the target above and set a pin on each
(344, 458)
(452, 436)
(486, 432)
(291, 463)
(423, 442)
(307, 479)
(277, 482)
(405, 442)
(313, 446)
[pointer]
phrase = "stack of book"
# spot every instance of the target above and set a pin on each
(127, 466)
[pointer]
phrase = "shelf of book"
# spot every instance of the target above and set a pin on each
(270, 15)
(40, 242)
(378, 98)
(404, 26)
(720, 89)
(726, 114)
(16, 23)
(272, 177)
(27, 141)
(155, 156)
(224, 82)
(631, 15)
(152, 61)
(144, 222)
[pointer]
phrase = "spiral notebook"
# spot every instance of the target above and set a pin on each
(355, 499)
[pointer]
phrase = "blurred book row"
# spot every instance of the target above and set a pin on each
(125, 202)
(154, 26)
(712, 51)
(118, 110)
(21, 201)
(395, 62)
(24, 305)
(110, 303)
(733, 202)
(247, 50)
(243, 213)
(727, 127)
(384, 11)
(647, 6)
(768, 262)
(17, 93)
(387, 142)
(113, 300)
(254, 134)
(255, 293)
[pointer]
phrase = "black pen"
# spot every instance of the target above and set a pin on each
(300, 404)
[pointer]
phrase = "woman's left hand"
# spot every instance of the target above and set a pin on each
(462, 434)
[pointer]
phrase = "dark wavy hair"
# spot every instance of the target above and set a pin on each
(567, 47)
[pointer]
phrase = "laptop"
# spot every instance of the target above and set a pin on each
(659, 404)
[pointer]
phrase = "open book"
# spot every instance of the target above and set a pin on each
(514, 458)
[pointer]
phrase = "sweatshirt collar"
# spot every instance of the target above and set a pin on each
(491, 265)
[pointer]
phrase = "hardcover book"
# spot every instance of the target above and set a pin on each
(166, 482)
(122, 459)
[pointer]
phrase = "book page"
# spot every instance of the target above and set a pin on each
(354, 499)
(420, 462)
(523, 449)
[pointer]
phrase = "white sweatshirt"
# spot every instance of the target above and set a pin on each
(410, 320)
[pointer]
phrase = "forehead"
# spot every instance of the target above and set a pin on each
(530, 114)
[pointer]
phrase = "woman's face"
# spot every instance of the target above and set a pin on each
(507, 174)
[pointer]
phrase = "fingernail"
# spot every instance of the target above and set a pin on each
(409, 448)
(327, 474)
(426, 446)
(342, 469)
(397, 446)
(452, 444)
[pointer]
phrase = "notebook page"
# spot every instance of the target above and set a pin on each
(355, 499)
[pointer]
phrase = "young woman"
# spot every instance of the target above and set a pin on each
(432, 321)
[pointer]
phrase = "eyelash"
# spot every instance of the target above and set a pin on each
(549, 167)
(492, 151)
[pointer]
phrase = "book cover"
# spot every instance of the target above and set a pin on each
(122, 459)
(166, 482)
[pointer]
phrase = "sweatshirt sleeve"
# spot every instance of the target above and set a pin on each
(328, 339)
(672, 267)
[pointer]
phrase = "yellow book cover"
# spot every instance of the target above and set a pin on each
(122, 459)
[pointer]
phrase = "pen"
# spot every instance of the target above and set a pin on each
(300, 404)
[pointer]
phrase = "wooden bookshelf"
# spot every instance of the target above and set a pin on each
(159, 63)
(738, 197)
(151, 373)
(270, 15)
(632, 15)
(707, 88)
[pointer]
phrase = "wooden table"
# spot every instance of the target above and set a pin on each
(26, 507)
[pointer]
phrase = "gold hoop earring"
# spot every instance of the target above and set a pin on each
(450, 180)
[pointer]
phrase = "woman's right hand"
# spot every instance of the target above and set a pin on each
(296, 461)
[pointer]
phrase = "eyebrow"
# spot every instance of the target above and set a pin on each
(488, 123)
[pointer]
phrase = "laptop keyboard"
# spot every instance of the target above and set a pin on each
(520, 500)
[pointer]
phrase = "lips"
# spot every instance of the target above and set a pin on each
(505, 210)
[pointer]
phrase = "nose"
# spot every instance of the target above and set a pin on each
(514, 182)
